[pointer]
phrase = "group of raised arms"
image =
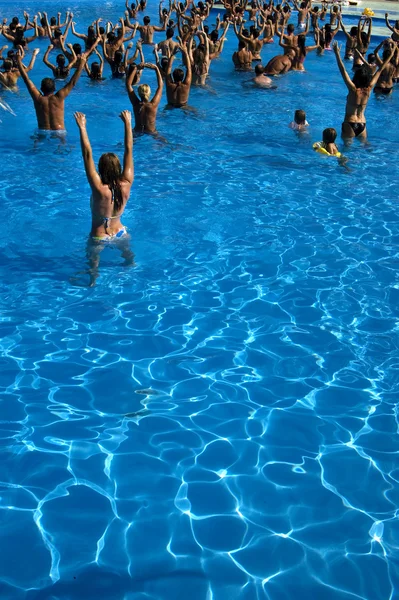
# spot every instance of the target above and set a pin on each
(183, 30)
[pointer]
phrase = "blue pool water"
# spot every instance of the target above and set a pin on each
(220, 420)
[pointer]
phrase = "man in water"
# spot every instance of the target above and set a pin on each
(178, 86)
(147, 31)
(49, 104)
(260, 79)
(280, 64)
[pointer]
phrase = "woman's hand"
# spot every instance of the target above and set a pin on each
(80, 119)
(125, 115)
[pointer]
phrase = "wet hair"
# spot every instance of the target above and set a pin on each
(15, 20)
(118, 56)
(335, 9)
(291, 28)
(57, 33)
(47, 86)
(60, 60)
(245, 32)
(214, 35)
(19, 33)
(259, 69)
(77, 48)
(95, 69)
(164, 63)
(329, 135)
(363, 35)
(101, 30)
(169, 33)
(178, 75)
(206, 29)
(303, 5)
(253, 4)
(371, 57)
(7, 65)
(316, 9)
(353, 31)
(146, 20)
(362, 77)
(201, 5)
(110, 171)
(143, 3)
(13, 27)
(111, 37)
(133, 6)
(286, 9)
(53, 21)
(302, 43)
(91, 34)
(300, 117)
(43, 22)
(144, 91)
(328, 36)
(164, 11)
(241, 45)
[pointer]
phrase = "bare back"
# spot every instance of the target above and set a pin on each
(103, 209)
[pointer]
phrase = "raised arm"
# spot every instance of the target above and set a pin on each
(91, 173)
(187, 64)
(66, 90)
(32, 89)
(348, 37)
(74, 58)
(32, 60)
(382, 67)
(129, 85)
(349, 83)
(388, 23)
(128, 167)
(46, 60)
(82, 36)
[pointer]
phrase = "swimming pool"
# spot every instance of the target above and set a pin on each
(220, 420)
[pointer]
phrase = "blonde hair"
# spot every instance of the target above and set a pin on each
(144, 91)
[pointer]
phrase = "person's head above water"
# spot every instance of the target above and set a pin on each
(329, 135)
(53, 21)
(60, 60)
(371, 58)
(178, 75)
(7, 65)
(259, 70)
(110, 171)
(353, 32)
(15, 20)
(169, 33)
(91, 32)
(47, 86)
(291, 28)
(95, 69)
(144, 91)
(146, 20)
(214, 35)
(300, 117)
(362, 77)
(118, 57)
(77, 48)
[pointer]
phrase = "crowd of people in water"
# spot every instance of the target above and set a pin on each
(183, 30)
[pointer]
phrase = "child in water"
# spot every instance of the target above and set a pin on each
(299, 123)
(328, 146)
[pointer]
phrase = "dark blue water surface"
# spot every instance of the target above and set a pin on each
(218, 421)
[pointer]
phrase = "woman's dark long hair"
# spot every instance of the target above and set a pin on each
(302, 43)
(110, 172)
